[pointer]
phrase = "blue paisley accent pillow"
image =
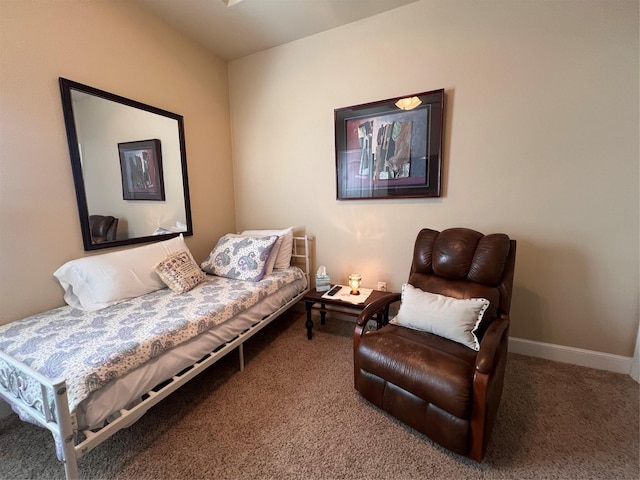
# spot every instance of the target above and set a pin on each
(241, 258)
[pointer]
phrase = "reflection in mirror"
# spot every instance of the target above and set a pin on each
(129, 167)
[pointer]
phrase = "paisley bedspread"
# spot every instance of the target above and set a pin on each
(89, 349)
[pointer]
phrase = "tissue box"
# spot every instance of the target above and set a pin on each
(323, 283)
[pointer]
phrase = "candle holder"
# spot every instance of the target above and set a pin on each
(354, 283)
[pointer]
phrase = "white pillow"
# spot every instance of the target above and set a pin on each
(283, 260)
(451, 318)
(92, 283)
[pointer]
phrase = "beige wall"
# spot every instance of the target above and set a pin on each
(542, 142)
(113, 46)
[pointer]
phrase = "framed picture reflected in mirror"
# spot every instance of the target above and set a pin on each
(141, 168)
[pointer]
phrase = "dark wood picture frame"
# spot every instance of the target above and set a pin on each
(141, 169)
(389, 148)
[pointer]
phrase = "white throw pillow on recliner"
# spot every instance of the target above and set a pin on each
(92, 283)
(451, 318)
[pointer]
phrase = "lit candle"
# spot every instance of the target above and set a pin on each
(354, 283)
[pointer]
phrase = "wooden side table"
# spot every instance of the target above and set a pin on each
(313, 298)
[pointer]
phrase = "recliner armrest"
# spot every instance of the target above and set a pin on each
(369, 311)
(490, 344)
(374, 307)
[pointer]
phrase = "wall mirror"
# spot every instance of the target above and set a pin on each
(129, 168)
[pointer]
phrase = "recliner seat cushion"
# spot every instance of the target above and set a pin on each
(432, 368)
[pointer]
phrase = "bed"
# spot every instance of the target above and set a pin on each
(86, 373)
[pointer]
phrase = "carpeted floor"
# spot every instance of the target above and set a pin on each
(293, 414)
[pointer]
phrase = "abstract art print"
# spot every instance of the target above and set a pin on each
(141, 169)
(391, 148)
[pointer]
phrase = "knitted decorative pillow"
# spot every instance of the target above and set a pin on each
(180, 272)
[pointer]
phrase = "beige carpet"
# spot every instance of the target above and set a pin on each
(293, 414)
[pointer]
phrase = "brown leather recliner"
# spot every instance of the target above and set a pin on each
(443, 389)
(103, 228)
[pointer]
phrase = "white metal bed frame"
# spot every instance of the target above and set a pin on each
(64, 425)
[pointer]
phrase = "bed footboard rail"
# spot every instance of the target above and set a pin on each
(48, 407)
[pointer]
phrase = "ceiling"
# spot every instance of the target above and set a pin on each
(244, 27)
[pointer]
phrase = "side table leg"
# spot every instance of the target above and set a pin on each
(309, 323)
(382, 317)
(323, 315)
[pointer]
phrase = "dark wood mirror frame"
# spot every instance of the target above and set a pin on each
(66, 87)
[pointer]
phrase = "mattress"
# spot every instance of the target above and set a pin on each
(126, 391)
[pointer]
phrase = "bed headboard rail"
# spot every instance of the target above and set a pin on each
(301, 254)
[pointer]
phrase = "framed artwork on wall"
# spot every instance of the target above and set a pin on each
(390, 148)
(141, 169)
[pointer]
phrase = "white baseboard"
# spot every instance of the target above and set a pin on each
(560, 353)
(575, 356)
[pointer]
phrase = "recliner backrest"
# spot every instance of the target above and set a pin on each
(463, 263)
(103, 228)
